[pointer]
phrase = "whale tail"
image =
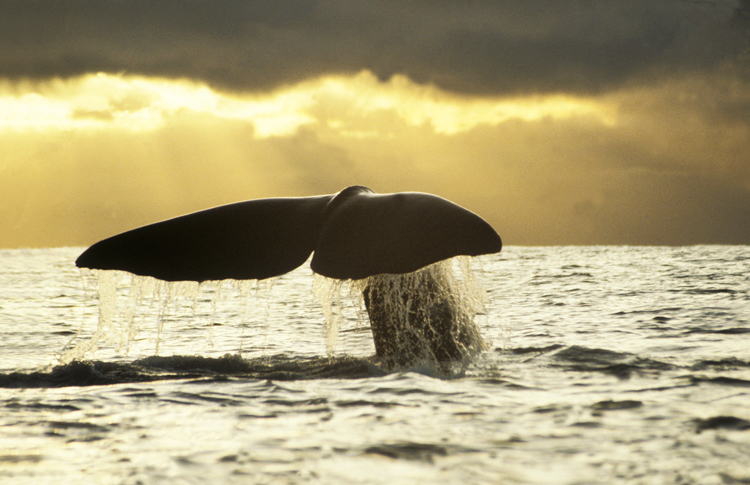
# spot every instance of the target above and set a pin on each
(353, 234)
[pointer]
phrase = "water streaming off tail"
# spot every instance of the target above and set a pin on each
(412, 311)
(343, 308)
(134, 312)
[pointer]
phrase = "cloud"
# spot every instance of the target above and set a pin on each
(662, 164)
(481, 47)
(569, 122)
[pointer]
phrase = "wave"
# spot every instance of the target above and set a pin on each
(157, 368)
(624, 365)
(579, 358)
(281, 367)
(284, 367)
(721, 422)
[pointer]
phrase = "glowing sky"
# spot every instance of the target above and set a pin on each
(563, 122)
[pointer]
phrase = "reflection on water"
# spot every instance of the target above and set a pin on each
(605, 365)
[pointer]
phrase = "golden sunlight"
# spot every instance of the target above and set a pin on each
(87, 157)
(135, 103)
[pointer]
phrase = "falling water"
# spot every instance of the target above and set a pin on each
(125, 300)
(415, 309)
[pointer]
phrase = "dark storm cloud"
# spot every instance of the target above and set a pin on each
(469, 46)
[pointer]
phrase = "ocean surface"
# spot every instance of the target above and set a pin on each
(604, 365)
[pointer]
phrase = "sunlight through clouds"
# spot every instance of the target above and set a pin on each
(559, 122)
(450, 114)
(32, 111)
(137, 103)
(661, 164)
(101, 101)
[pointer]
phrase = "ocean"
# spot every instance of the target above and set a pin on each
(610, 364)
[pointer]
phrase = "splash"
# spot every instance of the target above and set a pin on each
(422, 317)
(125, 300)
(342, 305)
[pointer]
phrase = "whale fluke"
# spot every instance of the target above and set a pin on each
(354, 234)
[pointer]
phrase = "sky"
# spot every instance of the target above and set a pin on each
(566, 122)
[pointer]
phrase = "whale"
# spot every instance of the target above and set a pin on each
(355, 234)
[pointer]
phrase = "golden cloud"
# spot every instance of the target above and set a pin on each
(86, 157)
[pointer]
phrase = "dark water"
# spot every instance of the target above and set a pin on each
(606, 365)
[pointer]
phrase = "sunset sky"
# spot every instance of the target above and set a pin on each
(559, 122)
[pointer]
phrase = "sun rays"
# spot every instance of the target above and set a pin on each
(135, 103)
